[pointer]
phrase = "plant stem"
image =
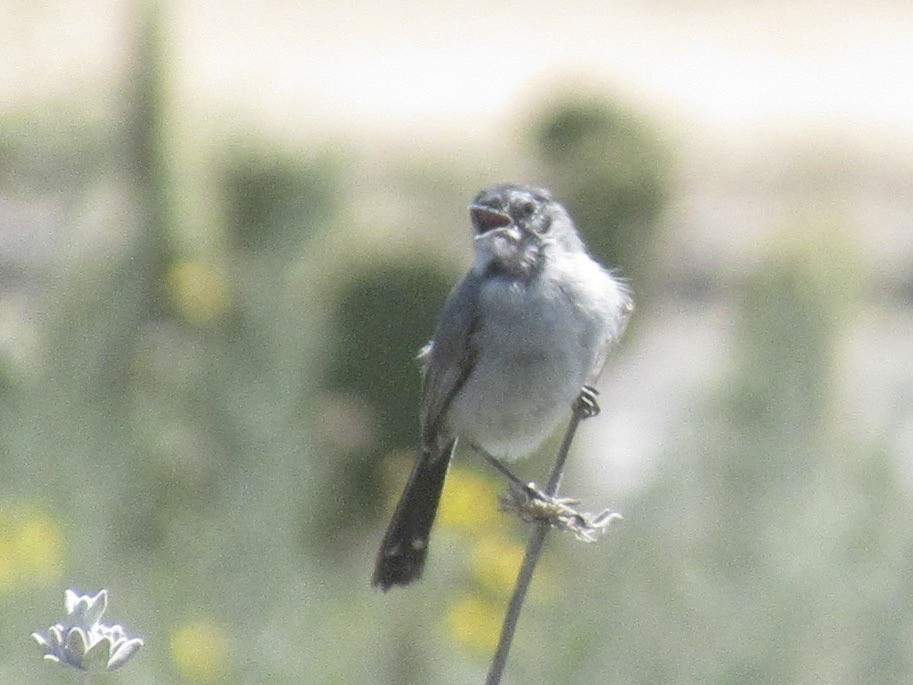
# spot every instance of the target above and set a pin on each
(531, 557)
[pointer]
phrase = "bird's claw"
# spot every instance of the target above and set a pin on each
(531, 504)
(587, 405)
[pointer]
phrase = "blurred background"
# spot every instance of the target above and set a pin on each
(226, 229)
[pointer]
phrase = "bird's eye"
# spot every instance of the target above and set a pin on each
(527, 208)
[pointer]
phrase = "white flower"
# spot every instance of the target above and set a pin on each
(82, 641)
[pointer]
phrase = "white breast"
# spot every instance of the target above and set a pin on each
(537, 346)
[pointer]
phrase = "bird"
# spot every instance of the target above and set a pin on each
(525, 331)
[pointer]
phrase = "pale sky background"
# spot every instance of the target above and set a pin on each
(457, 71)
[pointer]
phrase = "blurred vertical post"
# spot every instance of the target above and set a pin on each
(145, 150)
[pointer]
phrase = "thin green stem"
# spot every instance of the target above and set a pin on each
(531, 557)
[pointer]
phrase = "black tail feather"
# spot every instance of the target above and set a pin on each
(405, 545)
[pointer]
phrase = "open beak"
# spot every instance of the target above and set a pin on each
(486, 219)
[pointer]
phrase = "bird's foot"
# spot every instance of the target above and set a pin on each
(586, 404)
(531, 505)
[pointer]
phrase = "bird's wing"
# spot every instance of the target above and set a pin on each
(618, 321)
(450, 359)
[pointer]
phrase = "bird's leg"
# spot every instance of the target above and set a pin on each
(529, 488)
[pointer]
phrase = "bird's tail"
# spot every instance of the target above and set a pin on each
(405, 545)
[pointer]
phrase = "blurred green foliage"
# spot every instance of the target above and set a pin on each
(213, 431)
(609, 167)
(383, 317)
(267, 196)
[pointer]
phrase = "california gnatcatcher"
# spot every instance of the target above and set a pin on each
(525, 330)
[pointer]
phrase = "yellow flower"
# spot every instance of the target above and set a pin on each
(475, 624)
(7, 564)
(197, 291)
(31, 548)
(199, 651)
(469, 501)
(39, 544)
(495, 563)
